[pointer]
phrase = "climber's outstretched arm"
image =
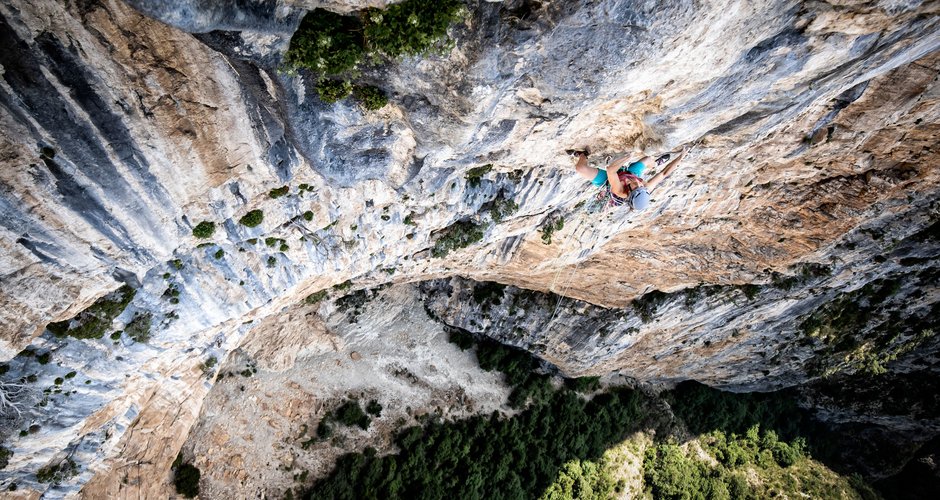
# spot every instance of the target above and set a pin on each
(652, 183)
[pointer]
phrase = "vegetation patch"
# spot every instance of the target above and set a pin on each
(411, 27)
(252, 218)
(863, 331)
(549, 228)
(487, 456)
(208, 365)
(5, 454)
(56, 473)
(139, 327)
(456, 236)
(584, 384)
(315, 297)
(93, 323)
(204, 229)
(488, 293)
(326, 43)
(370, 97)
(350, 413)
(502, 208)
(806, 272)
(646, 306)
(755, 465)
(186, 480)
(474, 176)
(278, 192)
(331, 91)
(334, 44)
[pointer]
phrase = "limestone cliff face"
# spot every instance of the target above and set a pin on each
(124, 125)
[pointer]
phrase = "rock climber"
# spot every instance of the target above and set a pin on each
(625, 184)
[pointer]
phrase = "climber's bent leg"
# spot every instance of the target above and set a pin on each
(597, 177)
(636, 168)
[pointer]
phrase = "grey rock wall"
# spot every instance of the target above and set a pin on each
(124, 126)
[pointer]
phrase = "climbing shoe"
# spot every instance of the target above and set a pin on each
(576, 153)
(662, 159)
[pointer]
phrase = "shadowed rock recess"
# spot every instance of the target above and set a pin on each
(205, 268)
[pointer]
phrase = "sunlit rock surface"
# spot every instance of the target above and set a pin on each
(122, 129)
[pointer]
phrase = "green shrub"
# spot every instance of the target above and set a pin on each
(177, 264)
(139, 327)
(502, 208)
(326, 43)
(456, 236)
(370, 97)
(278, 192)
(669, 474)
(374, 408)
(412, 27)
(57, 473)
(272, 261)
(44, 358)
(315, 297)
(549, 228)
(461, 338)
(5, 454)
(92, 323)
(334, 44)
(252, 218)
(308, 216)
(350, 413)
(475, 175)
(208, 364)
(331, 91)
(186, 480)
(324, 429)
(204, 229)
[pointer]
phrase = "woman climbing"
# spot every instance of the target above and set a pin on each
(626, 185)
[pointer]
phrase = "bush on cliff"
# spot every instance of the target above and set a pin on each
(412, 27)
(252, 218)
(370, 97)
(92, 323)
(456, 236)
(326, 43)
(204, 229)
(333, 44)
(331, 91)
(186, 480)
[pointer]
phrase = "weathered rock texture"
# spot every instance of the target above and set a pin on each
(817, 124)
